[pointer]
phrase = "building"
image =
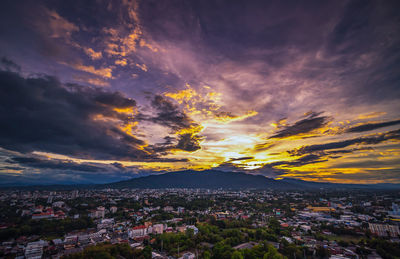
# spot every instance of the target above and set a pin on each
(320, 209)
(58, 204)
(247, 245)
(138, 231)
(70, 242)
(195, 229)
(188, 256)
(98, 213)
(75, 194)
(44, 215)
(168, 209)
(395, 211)
(158, 229)
(34, 250)
(384, 230)
(113, 209)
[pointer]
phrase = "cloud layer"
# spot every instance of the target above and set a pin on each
(305, 90)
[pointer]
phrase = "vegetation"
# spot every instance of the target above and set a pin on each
(46, 227)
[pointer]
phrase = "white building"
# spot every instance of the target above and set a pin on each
(98, 213)
(34, 250)
(188, 256)
(168, 209)
(158, 229)
(195, 229)
(139, 231)
(58, 204)
(384, 230)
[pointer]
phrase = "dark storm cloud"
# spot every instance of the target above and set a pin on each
(189, 142)
(169, 114)
(53, 164)
(11, 167)
(9, 65)
(367, 140)
(365, 43)
(371, 163)
(186, 142)
(312, 122)
(241, 158)
(304, 160)
(372, 126)
(372, 176)
(41, 114)
(316, 157)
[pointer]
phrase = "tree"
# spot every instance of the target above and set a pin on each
(322, 252)
(206, 255)
(272, 253)
(147, 252)
(237, 255)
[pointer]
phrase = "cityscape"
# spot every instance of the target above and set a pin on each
(199, 129)
(199, 223)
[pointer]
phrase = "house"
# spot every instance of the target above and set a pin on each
(248, 245)
(138, 231)
(195, 229)
(58, 204)
(168, 209)
(384, 230)
(188, 255)
(70, 242)
(158, 229)
(34, 250)
(98, 213)
(113, 209)
(43, 215)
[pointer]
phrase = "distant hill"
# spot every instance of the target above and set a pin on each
(213, 179)
(210, 179)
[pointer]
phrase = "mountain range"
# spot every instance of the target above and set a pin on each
(213, 179)
(210, 179)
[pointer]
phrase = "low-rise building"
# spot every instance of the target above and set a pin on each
(384, 230)
(138, 231)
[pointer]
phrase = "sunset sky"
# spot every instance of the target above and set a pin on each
(101, 91)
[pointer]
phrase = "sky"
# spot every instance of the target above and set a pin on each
(102, 91)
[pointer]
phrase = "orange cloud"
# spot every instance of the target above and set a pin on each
(92, 80)
(142, 67)
(103, 72)
(205, 105)
(370, 115)
(121, 62)
(58, 26)
(93, 54)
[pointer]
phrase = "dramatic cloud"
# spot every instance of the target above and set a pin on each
(169, 115)
(367, 140)
(307, 125)
(159, 86)
(54, 164)
(44, 115)
(8, 65)
(372, 126)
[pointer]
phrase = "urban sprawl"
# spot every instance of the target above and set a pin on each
(199, 223)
